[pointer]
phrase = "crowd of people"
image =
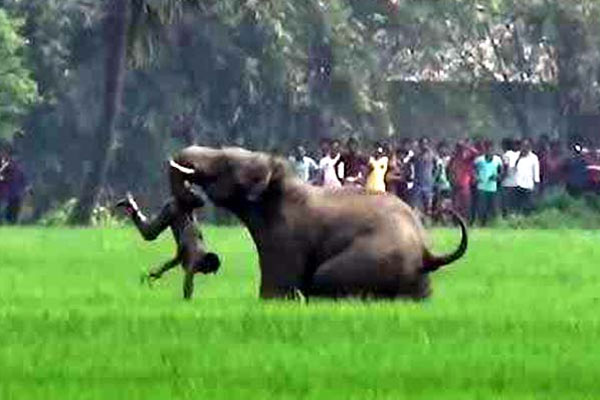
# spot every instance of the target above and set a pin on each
(475, 177)
(478, 178)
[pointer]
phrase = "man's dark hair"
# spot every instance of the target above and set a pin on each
(516, 144)
(488, 145)
(352, 141)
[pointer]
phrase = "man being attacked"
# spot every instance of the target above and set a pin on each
(191, 251)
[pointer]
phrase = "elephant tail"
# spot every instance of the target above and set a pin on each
(432, 262)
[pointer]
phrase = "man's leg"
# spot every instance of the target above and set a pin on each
(1, 209)
(480, 208)
(460, 202)
(474, 203)
(149, 229)
(13, 209)
(528, 201)
(428, 200)
(416, 198)
(521, 200)
(504, 193)
(489, 204)
(188, 284)
(493, 203)
(511, 200)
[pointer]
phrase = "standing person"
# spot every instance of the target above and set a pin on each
(13, 185)
(378, 168)
(554, 165)
(488, 170)
(355, 165)
(576, 172)
(336, 153)
(424, 168)
(304, 166)
(510, 156)
(323, 152)
(408, 165)
(328, 165)
(543, 152)
(396, 177)
(527, 175)
(400, 174)
(479, 146)
(461, 176)
(443, 189)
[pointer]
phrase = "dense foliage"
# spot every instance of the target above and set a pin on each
(17, 90)
(267, 74)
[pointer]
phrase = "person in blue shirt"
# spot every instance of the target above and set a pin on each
(488, 172)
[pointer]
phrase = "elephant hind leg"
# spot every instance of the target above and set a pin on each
(358, 273)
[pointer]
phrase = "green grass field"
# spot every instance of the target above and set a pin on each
(519, 318)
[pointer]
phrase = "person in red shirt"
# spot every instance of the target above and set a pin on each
(462, 177)
(13, 185)
(553, 165)
(543, 151)
(355, 164)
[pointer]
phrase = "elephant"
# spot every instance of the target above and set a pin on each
(331, 243)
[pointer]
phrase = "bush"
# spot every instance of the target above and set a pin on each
(59, 215)
(102, 216)
(557, 209)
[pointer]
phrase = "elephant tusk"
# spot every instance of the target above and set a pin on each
(181, 168)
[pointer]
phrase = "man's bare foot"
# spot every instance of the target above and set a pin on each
(128, 203)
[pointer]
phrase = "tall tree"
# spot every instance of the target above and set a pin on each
(17, 90)
(578, 60)
(115, 27)
(127, 25)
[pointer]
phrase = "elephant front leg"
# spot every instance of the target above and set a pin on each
(282, 277)
(281, 291)
(188, 284)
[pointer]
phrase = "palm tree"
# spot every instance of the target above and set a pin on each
(127, 25)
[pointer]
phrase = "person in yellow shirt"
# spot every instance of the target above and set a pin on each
(378, 168)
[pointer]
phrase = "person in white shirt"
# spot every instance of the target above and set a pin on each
(527, 176)
(509, 181)
(304, 166)
(330, 166)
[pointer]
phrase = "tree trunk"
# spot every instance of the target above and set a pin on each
(516, 96)
(115, 38)
(577, 70)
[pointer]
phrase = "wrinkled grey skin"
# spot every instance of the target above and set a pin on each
(324, 243)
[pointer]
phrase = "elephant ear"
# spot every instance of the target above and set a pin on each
(255, 176)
